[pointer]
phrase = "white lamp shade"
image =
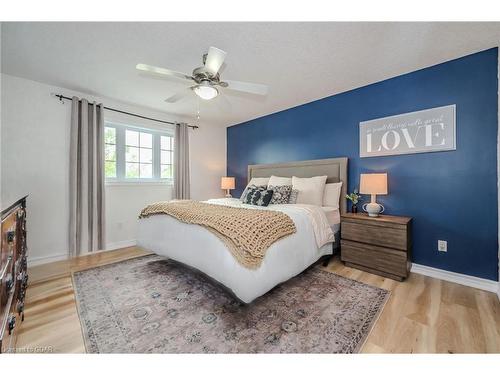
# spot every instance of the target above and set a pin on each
(373, 183)
(227, 183)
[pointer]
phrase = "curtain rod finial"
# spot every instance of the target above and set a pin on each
(59, 96)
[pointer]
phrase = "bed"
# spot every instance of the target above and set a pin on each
(199, 248)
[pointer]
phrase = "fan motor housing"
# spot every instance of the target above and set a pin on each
(201, 74)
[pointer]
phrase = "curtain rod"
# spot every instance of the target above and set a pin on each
(61, 97)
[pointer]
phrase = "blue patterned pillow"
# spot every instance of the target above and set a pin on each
(281, 194)
(258, 196)
(243, 197)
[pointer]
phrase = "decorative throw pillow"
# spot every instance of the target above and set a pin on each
(243, 197)
(258, 196)
(293, 196)
(281, 194)
(255, 181)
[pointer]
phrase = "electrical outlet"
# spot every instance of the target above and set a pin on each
(442, 246)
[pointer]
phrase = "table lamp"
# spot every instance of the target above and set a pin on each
(227, 183)
(373, 184)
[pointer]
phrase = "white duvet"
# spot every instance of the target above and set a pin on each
(195, 246)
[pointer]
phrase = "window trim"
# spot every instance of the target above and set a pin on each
(120, 145)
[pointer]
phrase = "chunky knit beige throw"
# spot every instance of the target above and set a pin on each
(247, 233)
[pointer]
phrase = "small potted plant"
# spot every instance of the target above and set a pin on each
(354, 197)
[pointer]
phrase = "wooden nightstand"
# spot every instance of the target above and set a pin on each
(380, 245)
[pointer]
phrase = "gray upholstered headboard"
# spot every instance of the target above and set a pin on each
(335, 169)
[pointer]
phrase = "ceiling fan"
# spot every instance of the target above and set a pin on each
(206, 78)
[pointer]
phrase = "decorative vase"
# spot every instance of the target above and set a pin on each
(354, 209)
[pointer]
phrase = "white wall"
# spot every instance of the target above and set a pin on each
(34, 160)
(123, 204)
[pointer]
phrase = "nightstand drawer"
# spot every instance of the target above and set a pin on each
(374, 257)
(375, 235)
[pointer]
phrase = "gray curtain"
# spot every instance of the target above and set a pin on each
(181, 162)
(86, 232)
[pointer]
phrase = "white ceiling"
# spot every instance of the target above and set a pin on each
(300, 62)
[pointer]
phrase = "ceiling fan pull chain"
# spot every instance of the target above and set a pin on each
(198, 111)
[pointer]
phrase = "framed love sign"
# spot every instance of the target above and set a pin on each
(429, 130)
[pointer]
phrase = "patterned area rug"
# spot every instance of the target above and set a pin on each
(153, 305)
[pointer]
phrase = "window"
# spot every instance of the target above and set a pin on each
(110, 152)
(167, 156)
(137, 155)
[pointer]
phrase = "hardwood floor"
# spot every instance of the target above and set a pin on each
(51, 320)
(423, 315)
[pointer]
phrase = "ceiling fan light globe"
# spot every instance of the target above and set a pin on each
(205, 91)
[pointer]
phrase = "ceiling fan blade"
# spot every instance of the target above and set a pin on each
(215, 59)
(179, 96)
(252, 88)
(162, 72)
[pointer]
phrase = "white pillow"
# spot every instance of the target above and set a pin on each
(259, 181)
(331, 196)
(280, 181)
(310, 189)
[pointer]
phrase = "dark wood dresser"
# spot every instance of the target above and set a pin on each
(13, 273)
(380, 245)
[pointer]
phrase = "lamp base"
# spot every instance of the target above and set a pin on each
(228, 194)
(373, 209)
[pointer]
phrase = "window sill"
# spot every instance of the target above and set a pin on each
(139, 183)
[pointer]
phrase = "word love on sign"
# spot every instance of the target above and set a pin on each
(429, 130)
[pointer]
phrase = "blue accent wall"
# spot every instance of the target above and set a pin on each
(451, 195)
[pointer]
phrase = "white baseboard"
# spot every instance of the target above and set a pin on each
(36, 261)
(474, 282)
(120, 244)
